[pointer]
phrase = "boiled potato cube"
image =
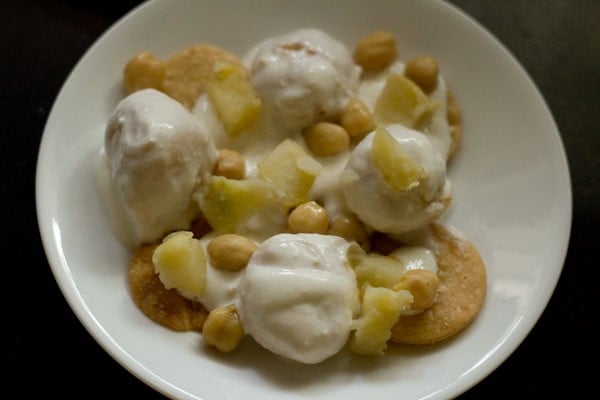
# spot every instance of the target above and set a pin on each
(375, 269)
(380, 309)
(402, 102)
(379, 271)
(292, 172)
(398, 168)
(228, 203)
(235, 100)
(180, 262)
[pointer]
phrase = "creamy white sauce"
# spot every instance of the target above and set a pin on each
(221, 288)
(303, 77)
(298, 296)
(114, 210)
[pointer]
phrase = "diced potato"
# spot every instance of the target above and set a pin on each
(355, 254)
(229, 203)
(402, 102)
(223, 329)
(235, 100)
(379, 271)
(396, 166)
(381, 307)
(292, 172)
(180, 262)
(374, 269)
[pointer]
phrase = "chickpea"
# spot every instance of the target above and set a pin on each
(143, 71)
(376, 51)
(223, 329)
(230, 252)
(422, 284)
(326, 139)
(356, 119)
(423, 71)
(308, 218)
(230, 164)
(350, 229)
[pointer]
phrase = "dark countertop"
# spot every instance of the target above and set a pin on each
(48, 352)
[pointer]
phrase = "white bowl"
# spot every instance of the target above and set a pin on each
(511, 198)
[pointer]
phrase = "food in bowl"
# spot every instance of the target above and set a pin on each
(294, 195)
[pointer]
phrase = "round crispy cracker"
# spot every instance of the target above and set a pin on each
(456, 135)
(455, 127)
(165, 306)
(188, 72)
(463, 283)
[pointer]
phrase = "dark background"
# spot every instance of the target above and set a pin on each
(47, 352)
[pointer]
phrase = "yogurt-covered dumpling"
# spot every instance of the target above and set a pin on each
(157, 153)
(303, 77)
(395, 180)
(298, 296)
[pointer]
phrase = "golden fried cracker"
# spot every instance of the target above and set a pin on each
(188, 72)
(165, 306)
(453, 116)
(463, 282)
(456, 136)
(184, 76)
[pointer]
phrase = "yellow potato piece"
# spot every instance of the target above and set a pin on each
(393, 162)
(235, 100)
(180, 261)
(380, 310)
(402, 102)
(379, 271)
(292, 172)
(228, 203)
(165, 306)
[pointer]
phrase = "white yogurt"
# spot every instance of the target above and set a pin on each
(298, 296)
(156, 153)
(303, 77)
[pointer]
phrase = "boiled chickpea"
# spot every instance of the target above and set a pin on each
(308, 218)
(357, 119)
(423, 71)
(326, 139)
(223, 329)
(230, 164)
(376, 51)
(230, 252)
(143, 71)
